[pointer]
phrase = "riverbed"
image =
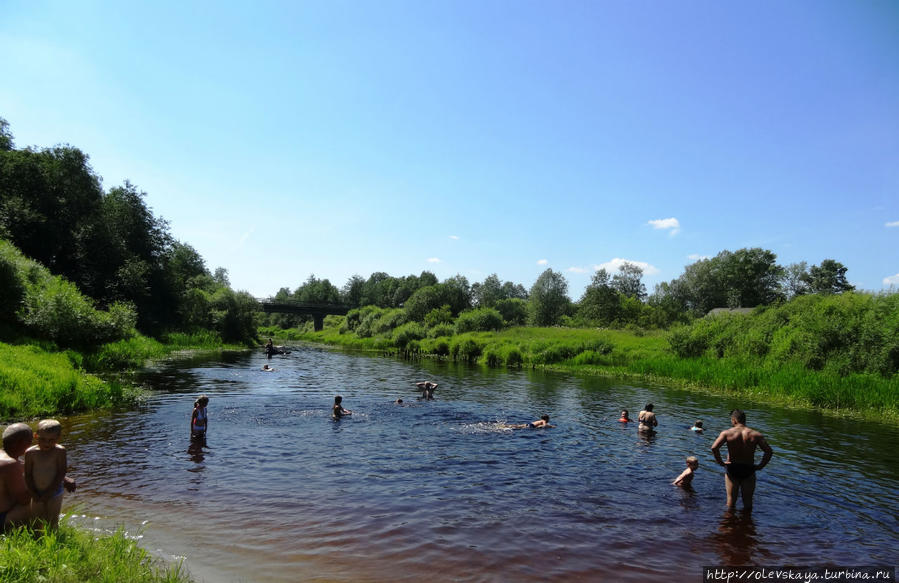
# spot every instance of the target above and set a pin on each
(441, 491)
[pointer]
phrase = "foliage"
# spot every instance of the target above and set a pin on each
(548, 300)
(479, 320)
(71, 555)
(846, 334)
(52, 308)
(35, 382)
(441, 315)
(628, 282)
(513, 310)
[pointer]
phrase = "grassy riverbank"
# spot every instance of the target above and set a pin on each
(76, 556)
(646, 356)
(38, 380)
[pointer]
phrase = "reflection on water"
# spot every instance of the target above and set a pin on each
(443, 490)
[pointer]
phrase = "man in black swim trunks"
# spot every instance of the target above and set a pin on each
(740, 465)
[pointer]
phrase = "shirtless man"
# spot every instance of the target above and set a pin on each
(740, 465)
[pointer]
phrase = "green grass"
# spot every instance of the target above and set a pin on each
(38, 380)
(647, 356)
(71, 555)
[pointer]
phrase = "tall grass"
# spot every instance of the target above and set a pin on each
(34, 382)
(75, 556)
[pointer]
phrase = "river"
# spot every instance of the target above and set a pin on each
(439, 491)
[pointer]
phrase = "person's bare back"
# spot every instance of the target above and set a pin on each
(740, 466)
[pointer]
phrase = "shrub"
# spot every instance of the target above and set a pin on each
(441, 330)
(410, 331)
(437, 316)
(479, 320)
(388, 321)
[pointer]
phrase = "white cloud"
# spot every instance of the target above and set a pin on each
(892, 224)
(577, 270)
(696, 257)
(245, 236)
(433, 260)
(542, 262)
(891, 280)
(454, 237)
(612, 266)
(671, 224)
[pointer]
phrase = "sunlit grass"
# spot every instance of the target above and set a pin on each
(71, 555)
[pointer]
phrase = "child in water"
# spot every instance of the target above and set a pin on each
(697, 426)
(685, 479)
(45, 472)
(624, 417)
(338, 411)
(199, 422)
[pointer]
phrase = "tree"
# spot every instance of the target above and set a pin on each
(6, 141)
(828, 278)
(486, 294)
(600, 304)
(627, 281)
(353, 291)
(548, 300)
(795, 280)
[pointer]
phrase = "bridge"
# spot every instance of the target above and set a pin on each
(317, 311)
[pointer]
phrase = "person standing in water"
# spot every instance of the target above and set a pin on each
(740, 466)
(647, 419)
(427, 389)
(337, 411)
(199, 421)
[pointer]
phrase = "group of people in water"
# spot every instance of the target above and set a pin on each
(740, 466)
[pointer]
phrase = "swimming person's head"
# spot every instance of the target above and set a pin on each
(648, 407)
(338, 399)
(738, 416)
(624, 413)
(692, 462)
(545, 418)
(201, 401)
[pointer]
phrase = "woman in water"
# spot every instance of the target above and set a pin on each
(647, 419)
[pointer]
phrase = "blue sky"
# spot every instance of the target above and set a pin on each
(283, 139)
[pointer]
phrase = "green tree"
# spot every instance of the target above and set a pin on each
(828, 278)
(599, 305)
(548, 299)
(628, 282)
(6, 141)
(352, 291)
(795, 280)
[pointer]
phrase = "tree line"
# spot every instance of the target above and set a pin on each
(744, 278)
(109, 244)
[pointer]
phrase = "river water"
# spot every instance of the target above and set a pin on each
(438, 491)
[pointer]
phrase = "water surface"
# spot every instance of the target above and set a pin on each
(439, 491)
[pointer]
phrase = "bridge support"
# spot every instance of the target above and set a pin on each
(318, 322)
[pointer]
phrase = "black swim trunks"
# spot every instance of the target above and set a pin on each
(739, 470)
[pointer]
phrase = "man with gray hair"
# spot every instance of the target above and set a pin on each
(15, 501)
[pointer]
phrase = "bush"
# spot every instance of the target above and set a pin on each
(441, 330)
(411, 331)
(479, 320)
(513, 310)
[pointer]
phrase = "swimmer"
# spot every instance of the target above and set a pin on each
(267, 368)
(697, 426)
(541, 423)
(337, 411)
(398, 402)
(685, 479)
(427, 389)
(624, 417)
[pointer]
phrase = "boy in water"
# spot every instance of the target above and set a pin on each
(199, 419)
(685, 479)
(45, 472)
(697, 427)
(338, 411)
(541, 423)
